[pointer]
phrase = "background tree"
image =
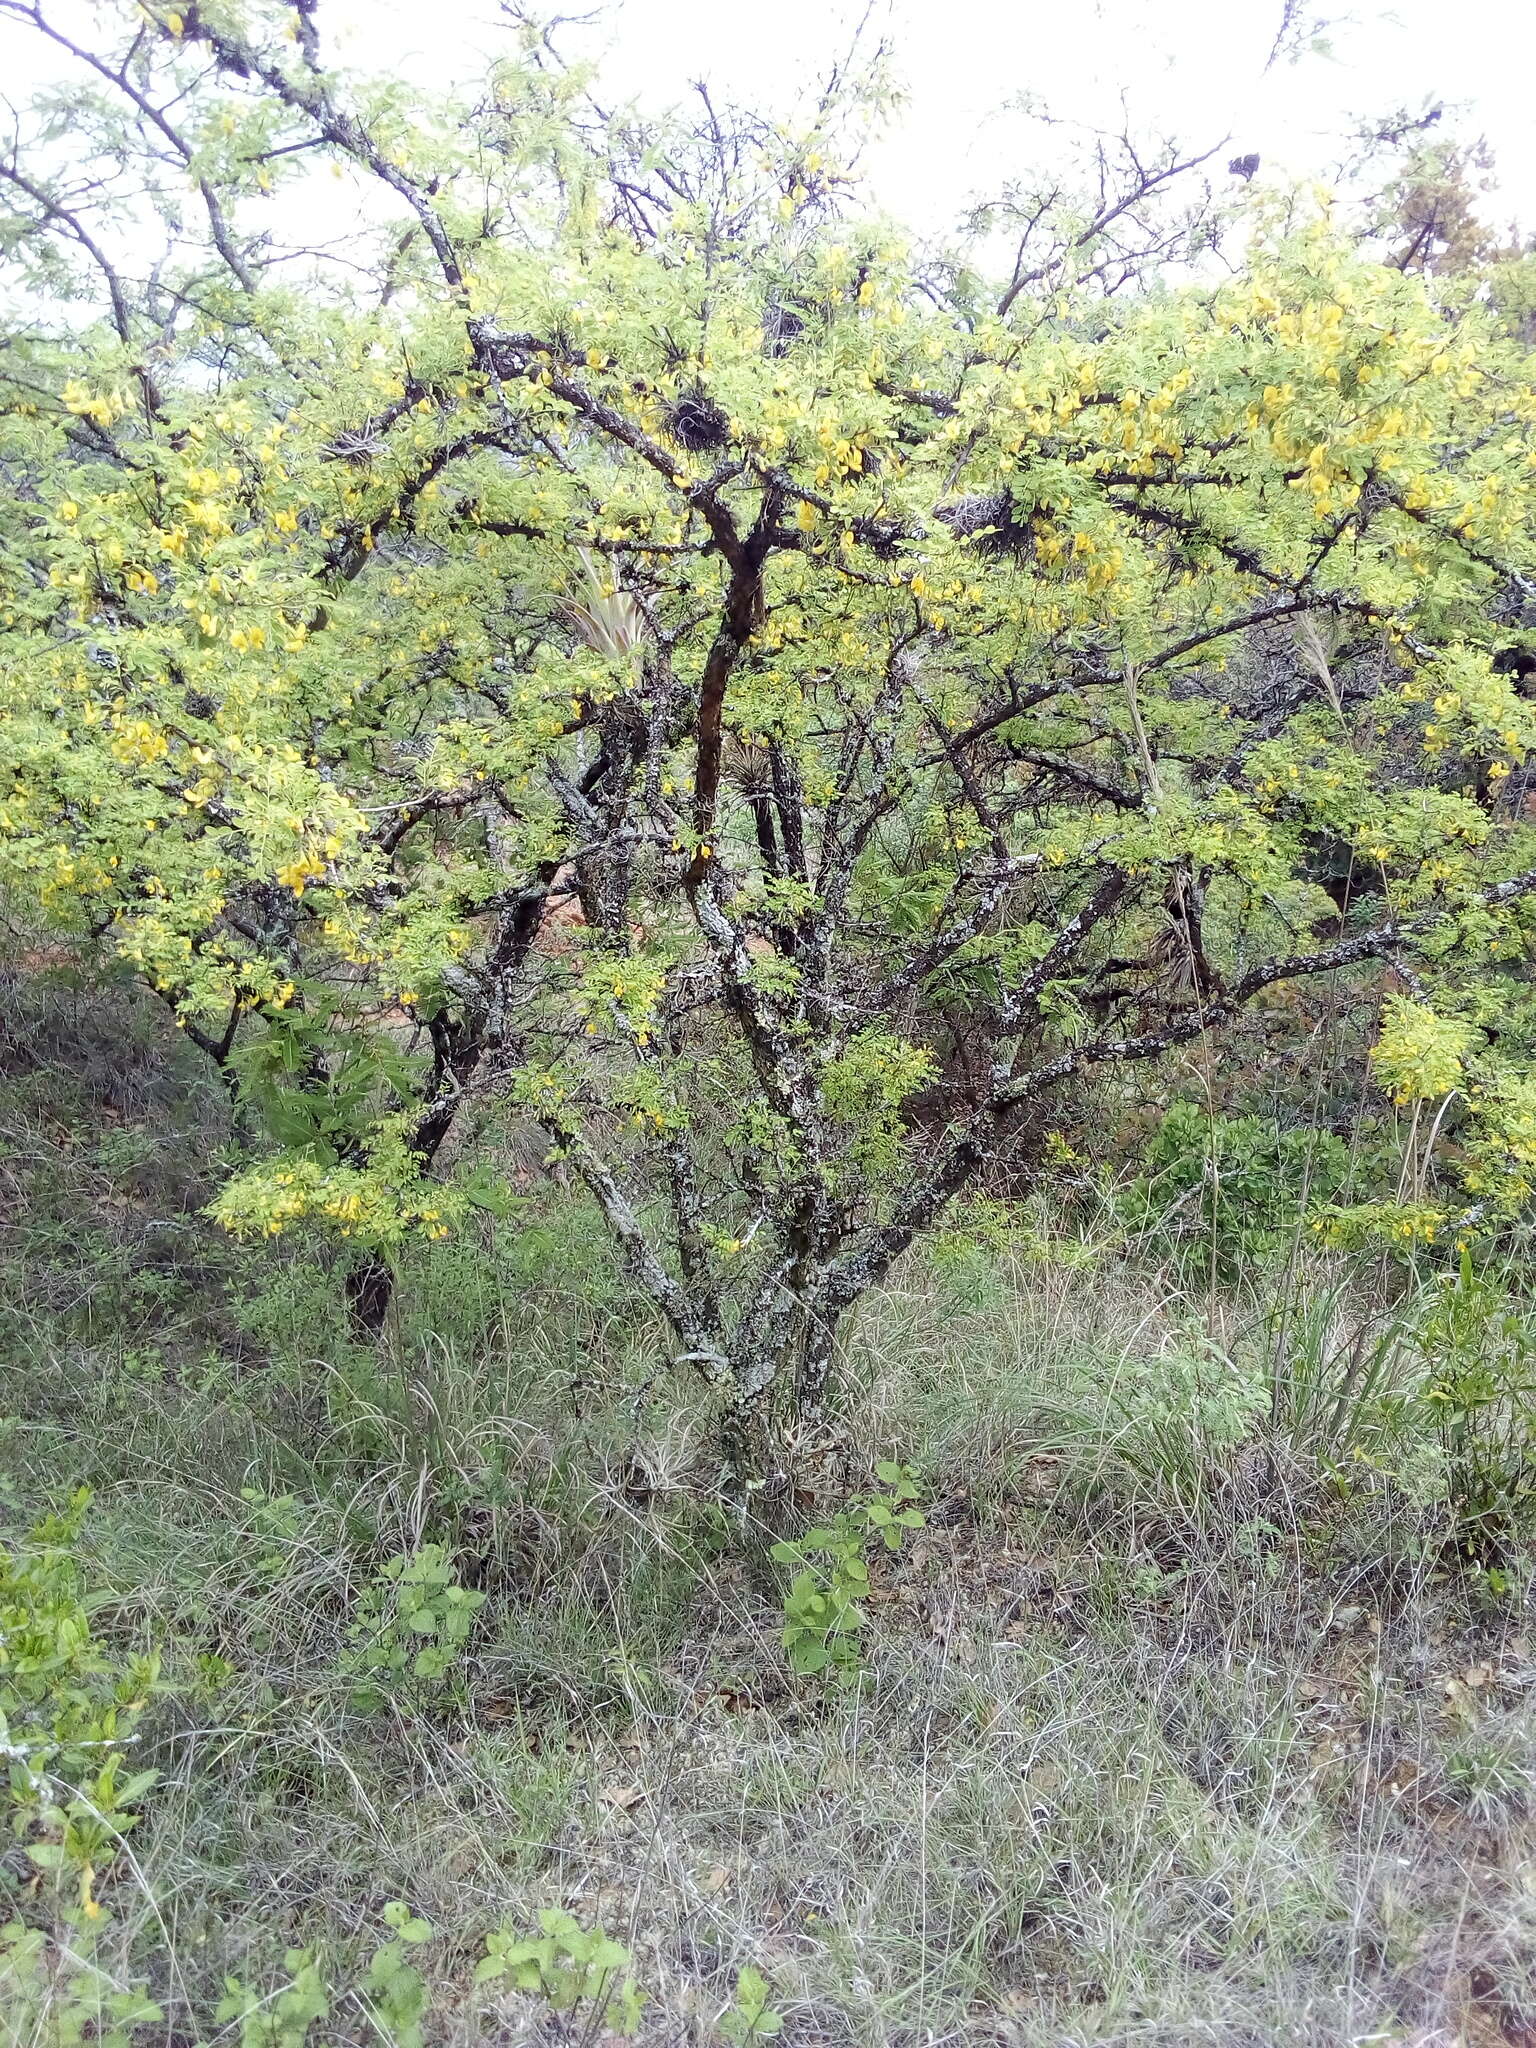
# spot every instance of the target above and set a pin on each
(881, 666)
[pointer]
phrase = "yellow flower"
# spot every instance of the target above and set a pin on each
(300, 873)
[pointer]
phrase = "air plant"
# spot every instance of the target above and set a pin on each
(606, 619)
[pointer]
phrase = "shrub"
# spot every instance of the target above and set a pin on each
(1231, 1189)
(68, 1712)
(1480, 1394)
(1180, 1414)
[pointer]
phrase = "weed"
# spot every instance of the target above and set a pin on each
(412, 1624)
(750, 2016)
(822, 1612)
(1180, 1413)
(569, 1966)
(394, 1991)
(1480, 1350)
(53, 1992)
(280, 2018)
(1232, 1190)
(68, 1712)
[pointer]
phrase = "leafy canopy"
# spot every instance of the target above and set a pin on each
(639, 637)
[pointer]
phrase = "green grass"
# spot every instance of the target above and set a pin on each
(1181, 1722)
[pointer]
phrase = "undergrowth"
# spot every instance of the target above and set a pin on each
(418, 1694)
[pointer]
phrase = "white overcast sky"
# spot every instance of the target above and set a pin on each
(1193, 68)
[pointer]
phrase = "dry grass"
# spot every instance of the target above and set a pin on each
(1167, 1736)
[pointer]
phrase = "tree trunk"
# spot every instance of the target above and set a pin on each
(747, 1456)
(763, 1423)
(370, 1287)
(814, 1367)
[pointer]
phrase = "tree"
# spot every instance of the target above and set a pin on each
(1425, 215)
(876, 665)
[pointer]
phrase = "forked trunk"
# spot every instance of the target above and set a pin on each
(774, 1411)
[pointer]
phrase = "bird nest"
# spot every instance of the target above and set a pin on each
(697, 423)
